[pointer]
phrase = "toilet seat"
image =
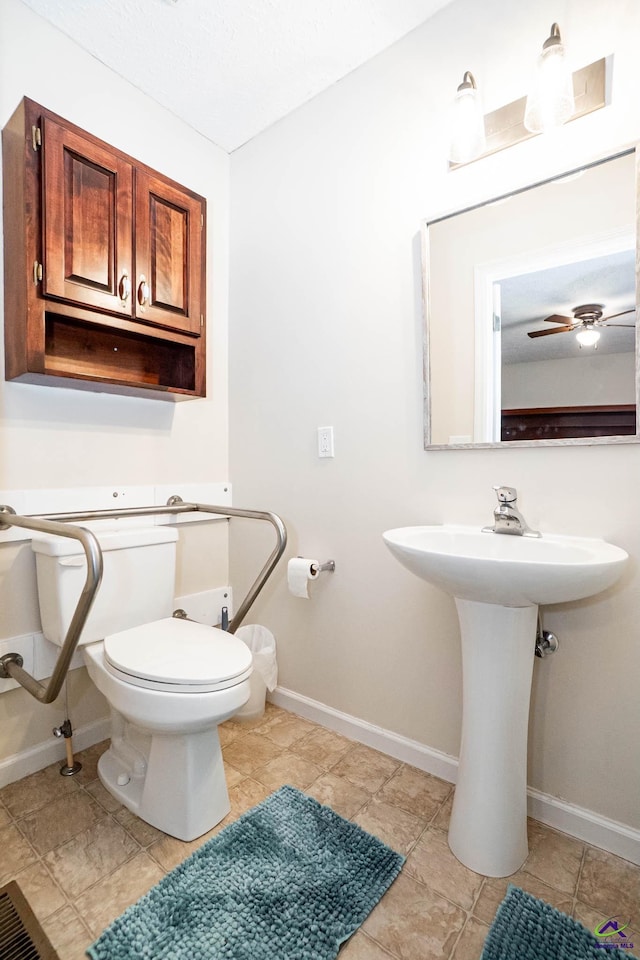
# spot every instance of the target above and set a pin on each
(178, 656)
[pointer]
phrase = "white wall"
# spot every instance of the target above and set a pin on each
(52, 437)
(326, 329)
(590, 379)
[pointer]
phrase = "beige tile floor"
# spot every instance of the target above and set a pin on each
(81, 858)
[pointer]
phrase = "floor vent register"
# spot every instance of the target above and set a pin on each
(21, 936)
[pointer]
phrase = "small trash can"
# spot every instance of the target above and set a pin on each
(262, 644)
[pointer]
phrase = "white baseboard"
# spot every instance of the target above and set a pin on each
(593, 828)
(401, 748)
(616, 838)
(28, 761)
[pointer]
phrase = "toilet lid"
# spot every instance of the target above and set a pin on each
(174, 651)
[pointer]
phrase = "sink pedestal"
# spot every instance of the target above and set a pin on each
(484, 572)
(488, 831)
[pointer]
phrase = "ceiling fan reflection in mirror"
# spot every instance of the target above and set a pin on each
(586, 320)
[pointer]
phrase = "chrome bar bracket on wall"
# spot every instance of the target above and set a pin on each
(64, 525)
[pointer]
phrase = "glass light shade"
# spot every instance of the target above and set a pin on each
(588, 336)
(550, 102)
(467, 123)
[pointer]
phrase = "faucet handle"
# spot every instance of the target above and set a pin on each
(506, 494)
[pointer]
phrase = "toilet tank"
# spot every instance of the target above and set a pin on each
(137, 585)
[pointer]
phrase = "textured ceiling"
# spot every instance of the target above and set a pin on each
(231, 68)
(526, 300)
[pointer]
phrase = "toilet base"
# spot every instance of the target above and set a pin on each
(175, 783)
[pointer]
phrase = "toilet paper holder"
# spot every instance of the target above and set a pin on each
(328, 566)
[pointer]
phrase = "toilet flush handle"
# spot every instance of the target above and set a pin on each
(75, 561)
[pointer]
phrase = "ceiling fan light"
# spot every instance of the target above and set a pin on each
(550, 102)
(588, 336)
(467, 134)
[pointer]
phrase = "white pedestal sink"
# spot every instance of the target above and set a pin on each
(498, 581)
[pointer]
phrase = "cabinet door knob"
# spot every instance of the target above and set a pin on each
(124, 287)
(143, 290)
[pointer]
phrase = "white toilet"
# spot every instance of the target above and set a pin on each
(169, 682)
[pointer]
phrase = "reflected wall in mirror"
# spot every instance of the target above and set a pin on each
(531, 314)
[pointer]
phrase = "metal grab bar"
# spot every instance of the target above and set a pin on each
(60, 524)
(11, 663)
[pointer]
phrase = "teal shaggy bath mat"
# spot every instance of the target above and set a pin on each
(289, 880)
(525, 928)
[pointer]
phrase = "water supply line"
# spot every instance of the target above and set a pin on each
(71, 766)
(546, 642)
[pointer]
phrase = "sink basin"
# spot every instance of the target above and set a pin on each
(498, 581)
(508, 570)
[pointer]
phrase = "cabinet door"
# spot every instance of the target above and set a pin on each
(88, 232)
(169, 262)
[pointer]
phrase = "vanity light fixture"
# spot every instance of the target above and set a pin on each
(550, 102)
(557, 96)
(588, 336)
(467, 123)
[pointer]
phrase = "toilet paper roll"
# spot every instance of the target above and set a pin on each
(299, 572)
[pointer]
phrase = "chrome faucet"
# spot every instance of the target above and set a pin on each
(508, 518)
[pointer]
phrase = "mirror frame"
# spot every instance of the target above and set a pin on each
(426, 311)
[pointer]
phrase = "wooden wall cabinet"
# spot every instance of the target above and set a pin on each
(569, 423)
(104, 265)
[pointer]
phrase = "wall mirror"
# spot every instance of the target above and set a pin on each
(531, 314)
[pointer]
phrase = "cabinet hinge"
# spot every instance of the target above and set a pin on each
(37, 271)
(201, 320)
(36, 137)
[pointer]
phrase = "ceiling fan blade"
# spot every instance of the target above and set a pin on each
(556, 318)
(629, 326)
(548, 333)
(606, 319)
